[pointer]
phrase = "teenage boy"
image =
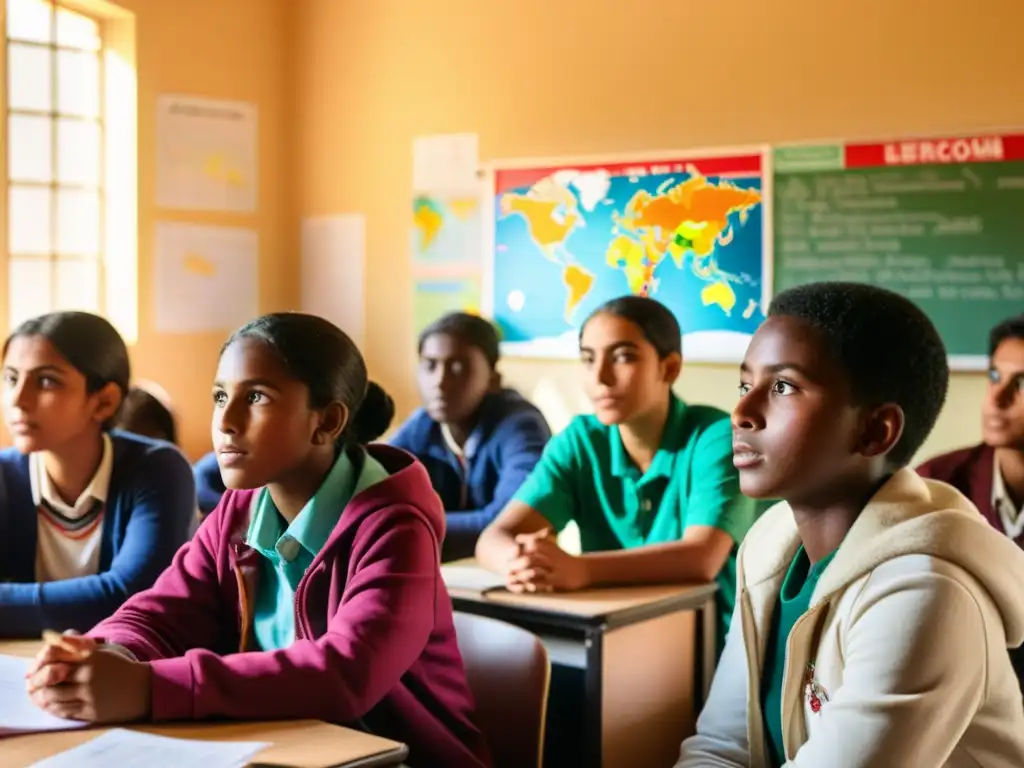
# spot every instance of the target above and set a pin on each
(992, 474)
(875, 606)
(478, 441)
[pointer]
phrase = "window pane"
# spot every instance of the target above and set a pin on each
(78, 285)
(30, 20)
(78, 152)
(76, 30)
(29, 77)
(30, 148)
(78, 222)
(78, 83)
(29, 289)
(28, 223)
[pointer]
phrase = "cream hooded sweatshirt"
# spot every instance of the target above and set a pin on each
(901, 659)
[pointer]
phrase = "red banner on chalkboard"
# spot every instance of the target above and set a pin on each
(990, 148)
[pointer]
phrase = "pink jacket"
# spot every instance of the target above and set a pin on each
(375, 642)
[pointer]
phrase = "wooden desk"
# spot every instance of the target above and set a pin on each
(646, 656)
(294, 743)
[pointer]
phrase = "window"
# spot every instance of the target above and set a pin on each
(55, 159)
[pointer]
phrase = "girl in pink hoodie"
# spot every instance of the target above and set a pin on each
(312, 591)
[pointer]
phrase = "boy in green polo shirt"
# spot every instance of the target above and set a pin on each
(648, 480)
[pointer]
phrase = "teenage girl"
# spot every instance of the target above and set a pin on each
(648, 479)
(312, 591)
(88, 516)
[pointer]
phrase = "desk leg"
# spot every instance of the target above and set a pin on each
(593, 729)
(648, 690)
(706, 638)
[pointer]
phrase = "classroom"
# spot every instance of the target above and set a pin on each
(182, 168)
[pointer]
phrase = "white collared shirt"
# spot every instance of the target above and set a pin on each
(69, 537)
(1011, 517)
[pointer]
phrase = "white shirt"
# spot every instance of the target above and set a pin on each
(1011, 517)
(69, 537)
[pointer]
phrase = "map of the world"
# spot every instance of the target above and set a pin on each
(687, 232)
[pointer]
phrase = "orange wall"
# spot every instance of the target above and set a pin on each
(537, 78)
(231, 49)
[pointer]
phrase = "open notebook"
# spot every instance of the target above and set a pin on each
(18, 715)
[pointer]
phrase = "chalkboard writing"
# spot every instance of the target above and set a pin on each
(941, 222)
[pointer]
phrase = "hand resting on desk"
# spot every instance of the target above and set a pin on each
(540, 565)
(79, 679)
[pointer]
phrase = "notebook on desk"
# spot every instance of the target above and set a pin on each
(471, 577)
(18, 715)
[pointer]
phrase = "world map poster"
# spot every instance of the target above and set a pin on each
(688, 230)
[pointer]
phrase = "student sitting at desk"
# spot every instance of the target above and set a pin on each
(992, 474)
(875, 607)
(147, 412)
(313, 590)
(88, 516)
(478, 441)
(648, 479)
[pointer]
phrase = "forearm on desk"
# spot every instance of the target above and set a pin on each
(675, 562)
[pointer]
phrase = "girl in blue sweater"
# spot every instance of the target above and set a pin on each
(88, 516)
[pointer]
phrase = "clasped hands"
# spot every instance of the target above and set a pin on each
(540, 565)
(76, 678)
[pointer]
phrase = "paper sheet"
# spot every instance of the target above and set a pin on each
(131, 749)
(206, 154)
(445, 163)
(334, 271)
(206, 278)
(17, 712)
(470, 577)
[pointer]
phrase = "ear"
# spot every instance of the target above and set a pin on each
(494, 385)
(883, 428)
(332, 422)
(672, 366)
(108, 400)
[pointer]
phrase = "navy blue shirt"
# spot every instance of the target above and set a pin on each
(149, 508)
(499, 454)
(209, 485)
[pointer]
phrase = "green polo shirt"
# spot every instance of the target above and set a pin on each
(585, 475)
(289, 551)
(794, 600)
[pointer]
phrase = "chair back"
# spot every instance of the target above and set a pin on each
(509, 675)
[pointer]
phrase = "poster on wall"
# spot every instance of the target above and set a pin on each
(446, 241)
(206, 278)
(333, 282)
(690, 229)
(207, 154)
(935, 219)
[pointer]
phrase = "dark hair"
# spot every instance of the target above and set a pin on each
(1010, 328)
(655, 321)
(327, 361)
(470, 329)
(886, 345)
(89, 342)
(144, 414)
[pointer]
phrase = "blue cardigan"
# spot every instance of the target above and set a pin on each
(502, 450)
(209, 485)
(150, 505)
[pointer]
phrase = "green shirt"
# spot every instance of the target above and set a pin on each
(794, 599)
(585, 475)
(289, 551)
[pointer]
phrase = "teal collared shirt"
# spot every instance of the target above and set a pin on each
(585, 475)
(289, 551)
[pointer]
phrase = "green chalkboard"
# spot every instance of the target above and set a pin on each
(949, 235)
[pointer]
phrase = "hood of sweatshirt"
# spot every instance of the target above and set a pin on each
(907, 516)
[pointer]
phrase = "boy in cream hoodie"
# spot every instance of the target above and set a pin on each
(875, 608)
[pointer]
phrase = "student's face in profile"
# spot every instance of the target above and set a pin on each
(46, 405)
(622, 373)
(795, 429)
(453, 378)
(263, 427)
(1003, 407)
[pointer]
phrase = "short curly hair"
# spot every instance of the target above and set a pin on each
(889, 349)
